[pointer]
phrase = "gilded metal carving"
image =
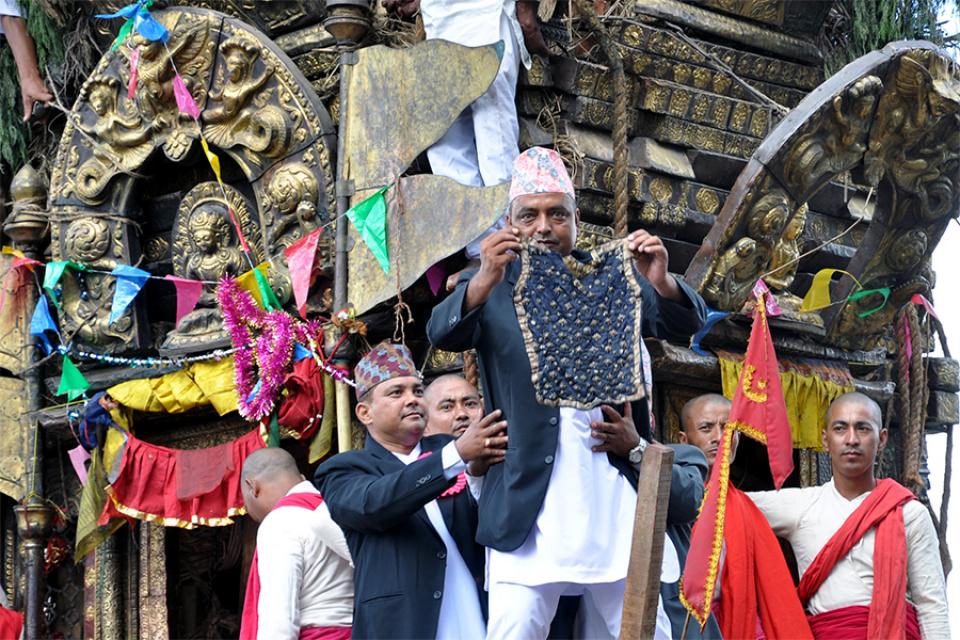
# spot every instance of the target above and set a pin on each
(893, 117)
(14, 443)
(152, 607)
(257, 112)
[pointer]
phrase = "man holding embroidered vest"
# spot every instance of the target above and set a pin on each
(301, 579)
(403, 505)
(866, 549)
(557, 515)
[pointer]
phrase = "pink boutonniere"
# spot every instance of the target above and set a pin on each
(457, 487)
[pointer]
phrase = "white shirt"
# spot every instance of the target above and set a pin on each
(584, 530)
(472, 23)
(460, 614)
(809, 517)
(306, 574)
(9, 8)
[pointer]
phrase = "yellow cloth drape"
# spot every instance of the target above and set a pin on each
(94, 496)
(808, 389)
(200, 383)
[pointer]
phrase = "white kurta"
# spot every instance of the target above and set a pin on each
(809, 517)
(306, 574)
(584, 531)
(460, 614)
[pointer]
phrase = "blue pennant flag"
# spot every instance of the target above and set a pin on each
(129, 282)
(254, 392)
(713, 317)
(147, 26)
(42, 322)
(300, 352)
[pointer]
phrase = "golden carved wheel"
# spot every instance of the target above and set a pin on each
(259, 114)
(892, 120)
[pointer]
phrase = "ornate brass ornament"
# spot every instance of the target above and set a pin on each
(14, 443)
(892, 119)
(258, 113)
(391, 113)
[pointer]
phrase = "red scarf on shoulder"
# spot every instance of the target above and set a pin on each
(756, 581)
(249, 621)
(882, 509)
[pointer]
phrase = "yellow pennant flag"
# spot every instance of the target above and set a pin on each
(818, 296)
(256, 283)
(10, 251)
(212, 158)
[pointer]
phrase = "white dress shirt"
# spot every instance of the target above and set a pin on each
(460, 614)
(306, 574)
(809, 517)
(9, 8)
(472, 23)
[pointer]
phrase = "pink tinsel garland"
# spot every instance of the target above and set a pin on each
(272, 334)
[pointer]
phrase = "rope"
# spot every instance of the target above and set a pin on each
(912, 386)
(401, 308)
(621, 124)
(471, 370)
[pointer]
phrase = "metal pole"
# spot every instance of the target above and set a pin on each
(344, 191)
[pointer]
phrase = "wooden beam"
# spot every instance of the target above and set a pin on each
(646, 553)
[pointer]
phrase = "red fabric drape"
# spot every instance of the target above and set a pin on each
(882, 509)
(250, 618)
(755, 578)
(11, 624)
(851, 623)
(147, 486)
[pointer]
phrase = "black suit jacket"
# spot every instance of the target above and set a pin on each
(686, 493)
(398, 556)
(513, 491)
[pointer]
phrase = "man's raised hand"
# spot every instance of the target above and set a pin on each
(483, 444)
(651, 258)
(497, 251)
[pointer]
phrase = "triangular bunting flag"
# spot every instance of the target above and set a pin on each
(212, 158)
(52, 275)
(370, 219)
(300, 258)
(134, 73)
(255, 282)
(148, 27)
(78, 458)
(920, 300)
(130, 281)
(818, 295)
(188, 293)
(435, 277)
(72, 382)
(759, 412)
(883, 292)
(185, 102)
(300, 352)
(713, 317)
(41, 322)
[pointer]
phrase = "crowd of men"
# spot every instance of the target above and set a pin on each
(469, 518)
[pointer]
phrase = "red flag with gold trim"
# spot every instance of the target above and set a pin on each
(758, 411)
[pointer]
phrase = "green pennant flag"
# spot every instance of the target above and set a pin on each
(883, 291)
(122, 34)
(370, 219)
(53, 273)
(267, 295)
(72, 381)
(273, 436)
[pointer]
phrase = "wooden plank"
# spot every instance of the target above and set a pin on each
(646, 553)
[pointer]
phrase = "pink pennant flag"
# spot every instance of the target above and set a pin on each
(184, 100)
(134, 72)
(78, 458)
(435, 277)
(188, 293)
(919, 299)
(300, 257)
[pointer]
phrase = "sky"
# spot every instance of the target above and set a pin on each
(946, 262)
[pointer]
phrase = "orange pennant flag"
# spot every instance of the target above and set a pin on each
(760, 412)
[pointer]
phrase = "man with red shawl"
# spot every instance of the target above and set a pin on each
(867, 550)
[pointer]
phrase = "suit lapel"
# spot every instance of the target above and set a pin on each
(391, 463)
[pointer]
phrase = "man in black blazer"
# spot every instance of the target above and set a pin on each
(403, 505)
(536, 506)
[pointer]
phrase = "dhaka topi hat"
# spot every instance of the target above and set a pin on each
(539, 170)
(385, 361)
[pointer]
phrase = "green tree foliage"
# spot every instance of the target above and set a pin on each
(856, 27)
(14, 135)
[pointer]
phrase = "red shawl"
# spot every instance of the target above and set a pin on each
(11, 623)
(755, 578)
(250, 618)
(882, 509)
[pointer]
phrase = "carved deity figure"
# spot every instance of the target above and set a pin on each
(784, 261)
(294, 193)
(212, 252)
(738, 268)
(840, 142)
(243, 118)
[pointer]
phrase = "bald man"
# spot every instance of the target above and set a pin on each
(702, 420)
(867, 550)
(453, 404)
(301, 579)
